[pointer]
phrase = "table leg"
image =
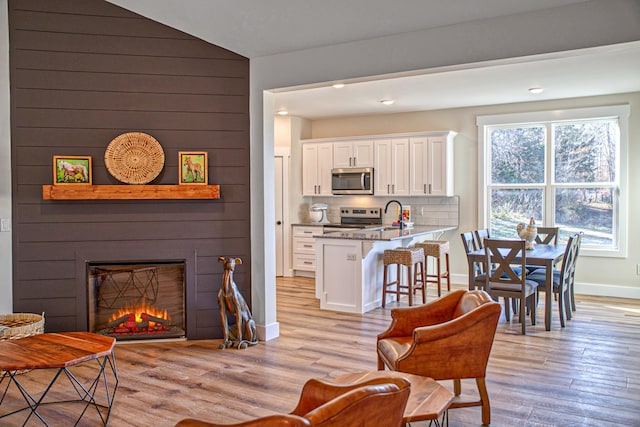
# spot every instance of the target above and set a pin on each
(87, 394)
(548, 291)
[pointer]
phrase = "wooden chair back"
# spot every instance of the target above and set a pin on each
(468, 241)
(547, 235)
(469, 244)
(568, 269)
(501, 255)
(480, 236)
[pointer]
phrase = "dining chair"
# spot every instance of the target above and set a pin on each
(572, 284)
(469, 244)
(480, 235)
(508, 277)
(562, 279)
(544, 236)
(547, 235)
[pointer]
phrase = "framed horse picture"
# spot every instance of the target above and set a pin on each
(72, 170)
(193, 167)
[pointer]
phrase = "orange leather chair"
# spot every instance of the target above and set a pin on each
(270, 421)
(446, 339)
(373, 403)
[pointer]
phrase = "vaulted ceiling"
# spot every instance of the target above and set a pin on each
(260, 28)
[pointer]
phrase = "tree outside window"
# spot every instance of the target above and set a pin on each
(562, 173)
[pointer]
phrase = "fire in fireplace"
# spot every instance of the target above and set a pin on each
(137, 300)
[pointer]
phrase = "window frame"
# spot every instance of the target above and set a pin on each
(547, 119)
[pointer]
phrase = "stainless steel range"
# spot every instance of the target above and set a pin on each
(354, 218)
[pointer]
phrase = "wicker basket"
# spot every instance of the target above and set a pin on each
(134, 158)
(20, 325)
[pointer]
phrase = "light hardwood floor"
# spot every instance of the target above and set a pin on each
(587, 374)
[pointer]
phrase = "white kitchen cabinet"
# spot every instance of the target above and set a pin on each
(304, 248)
(431, 164)
(391, 170)
(353, 154)
(317, 162)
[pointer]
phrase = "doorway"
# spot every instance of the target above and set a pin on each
(281, 190)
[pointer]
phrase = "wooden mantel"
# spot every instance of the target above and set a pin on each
(129, 192)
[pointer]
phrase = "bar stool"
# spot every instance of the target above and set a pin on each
(413, 259)
(437, 249)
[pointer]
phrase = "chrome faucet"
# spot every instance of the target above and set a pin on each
(399, 204)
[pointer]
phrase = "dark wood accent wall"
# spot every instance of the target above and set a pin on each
(82, 73)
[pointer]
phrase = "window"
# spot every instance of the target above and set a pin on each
(563, 168)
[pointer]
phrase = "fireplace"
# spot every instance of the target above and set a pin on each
(137, 300)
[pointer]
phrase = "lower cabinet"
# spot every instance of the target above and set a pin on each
(304, 249)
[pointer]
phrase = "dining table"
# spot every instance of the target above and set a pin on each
(546, 256)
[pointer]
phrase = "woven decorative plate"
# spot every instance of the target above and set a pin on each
(134, 158)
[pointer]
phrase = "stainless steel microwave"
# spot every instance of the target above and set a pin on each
(352, 181)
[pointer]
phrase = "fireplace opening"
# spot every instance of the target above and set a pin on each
(137, 300)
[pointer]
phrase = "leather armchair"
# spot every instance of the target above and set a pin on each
(372, 403)
(446, 339)
(270, 421)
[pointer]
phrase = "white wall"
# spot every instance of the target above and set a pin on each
(588, 24)
(6, 299)
(595, 275)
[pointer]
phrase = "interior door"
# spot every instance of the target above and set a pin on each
(279, 227)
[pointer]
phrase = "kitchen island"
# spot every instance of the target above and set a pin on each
(349, 267)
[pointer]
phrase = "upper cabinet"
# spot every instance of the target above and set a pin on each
(407, 164)
(391, 170)
(431, 164)
(353, 154)
(317, 161)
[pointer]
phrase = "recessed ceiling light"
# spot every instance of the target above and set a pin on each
(387, 101)
(338, 85)
(536, 90)
(283, 112)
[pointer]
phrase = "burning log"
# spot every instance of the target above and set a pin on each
(149, 318)
(129, 324)
(122, 319)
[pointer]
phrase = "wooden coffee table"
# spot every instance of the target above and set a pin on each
(428, 400)
(59, 352)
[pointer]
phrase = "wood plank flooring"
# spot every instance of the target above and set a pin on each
(587, 374)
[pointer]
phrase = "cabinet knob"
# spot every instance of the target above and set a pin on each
(278, 222)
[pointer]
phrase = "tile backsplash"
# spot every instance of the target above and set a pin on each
(437, 211)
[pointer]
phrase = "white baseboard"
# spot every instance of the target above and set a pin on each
(596, 289)
(268, 332)
(615, 291)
